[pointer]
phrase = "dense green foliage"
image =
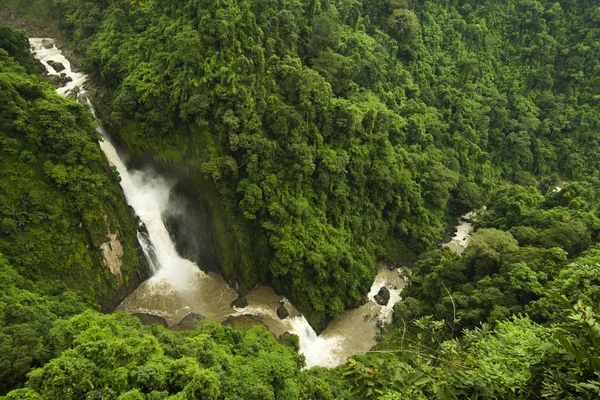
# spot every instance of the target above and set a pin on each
(555, 263)
(528, 244)
(518, 359)
(27, 313)
(17, 46)
(334, 133)
(115, 357)
(57, 200)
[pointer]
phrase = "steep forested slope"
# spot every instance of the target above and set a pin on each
(339, 132)
(110, 357)
(58, 201)
(335, 133)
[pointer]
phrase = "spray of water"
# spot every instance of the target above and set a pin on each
(318, 350)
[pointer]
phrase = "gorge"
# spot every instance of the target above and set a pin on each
(178, 287)
(263, 163)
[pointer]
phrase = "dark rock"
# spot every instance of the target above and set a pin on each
(282, 311)
(47, 44)
(150, 319)
(188, 323)
(240, 320)
(137, 219)
(55, 80)
(58, 67)
(142, 228)
(240, 302)
(68, 79)
(383, 296)
(187, 224)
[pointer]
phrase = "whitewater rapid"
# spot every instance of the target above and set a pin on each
(179, 287)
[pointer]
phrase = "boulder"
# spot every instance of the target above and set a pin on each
(188, 323)
(282, 311)
(240, 302)
(150, 319)
(67, 78)
(55, 80)
(383, 296)
(241, 320)
(47, 43)
(58, 67)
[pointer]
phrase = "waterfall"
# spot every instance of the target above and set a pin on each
(178, 287)
(148, 194)
(318, 350)
(174, 278)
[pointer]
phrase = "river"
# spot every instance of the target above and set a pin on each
(179, 287)
(464, 229)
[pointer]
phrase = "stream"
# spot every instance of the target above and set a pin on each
(464, 229)
(178, 286)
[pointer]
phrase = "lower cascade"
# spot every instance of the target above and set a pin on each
(179, 287)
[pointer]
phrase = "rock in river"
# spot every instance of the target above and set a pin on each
(240, 302)
(383, 296)
(282, 311)
(58, 67)
(150, 319)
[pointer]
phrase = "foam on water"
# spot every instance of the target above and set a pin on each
(45, 50)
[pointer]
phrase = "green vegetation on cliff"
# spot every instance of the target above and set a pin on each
(338, 132)
(59, 197)
(330, 134)
(58, 201)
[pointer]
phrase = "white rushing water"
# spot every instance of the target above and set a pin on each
(394, 283)
(178, 287)
(464, 229)
(46, 51)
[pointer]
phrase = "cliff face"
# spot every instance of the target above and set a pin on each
(121, 279)
(201, 225)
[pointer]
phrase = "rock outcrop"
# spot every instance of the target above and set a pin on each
(188, 323)
(112, 252)
(240, 302)
(282, 311)
(383, 296)
(150, 319)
